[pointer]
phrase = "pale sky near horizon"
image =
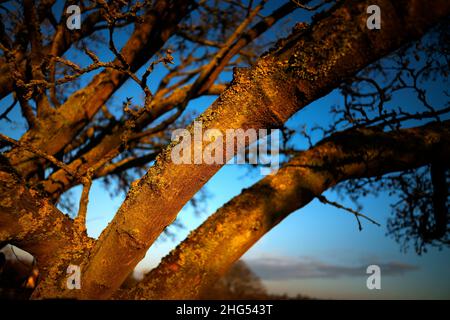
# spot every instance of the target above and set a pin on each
(316, 251)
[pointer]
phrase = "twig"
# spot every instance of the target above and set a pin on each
(339, 206)
(4, 115)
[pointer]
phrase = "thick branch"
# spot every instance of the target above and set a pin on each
(265, 96)
(213, 247)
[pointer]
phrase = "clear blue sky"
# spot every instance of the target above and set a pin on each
(318, 250)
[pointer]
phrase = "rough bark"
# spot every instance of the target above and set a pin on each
(212, 248)
(32, 223)
(301, 69)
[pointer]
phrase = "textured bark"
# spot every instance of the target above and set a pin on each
(32, 223)
(64, 123)
(301, 69)
(212, 248)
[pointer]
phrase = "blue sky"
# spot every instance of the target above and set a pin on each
(320, 249)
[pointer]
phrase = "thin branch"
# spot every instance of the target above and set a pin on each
(4, 115)
(302, 4)
(80, 220)
(323, 199)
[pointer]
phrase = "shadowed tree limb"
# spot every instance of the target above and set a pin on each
(439, 199)
(62, 40)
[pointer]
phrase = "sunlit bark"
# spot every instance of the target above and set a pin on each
(212, 248)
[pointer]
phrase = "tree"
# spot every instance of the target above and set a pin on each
(73, 136)
(238, 283)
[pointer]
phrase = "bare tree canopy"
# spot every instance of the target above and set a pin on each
(101, 87)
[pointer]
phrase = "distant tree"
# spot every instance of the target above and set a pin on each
(237, 284)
